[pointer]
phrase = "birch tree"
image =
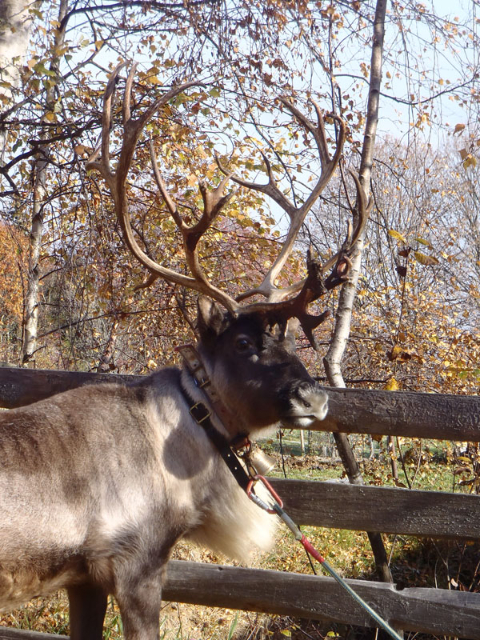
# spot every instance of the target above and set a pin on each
(343, 318)
(16, 17)
(40, 196)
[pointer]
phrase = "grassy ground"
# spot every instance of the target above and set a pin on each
(413, 562)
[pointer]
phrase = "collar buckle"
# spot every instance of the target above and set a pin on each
(199, 412)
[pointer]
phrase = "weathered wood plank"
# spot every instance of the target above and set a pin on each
(7, 633)
(19, 387)
(420, 415)
(434, 514)
(401, 413)
(434, 611)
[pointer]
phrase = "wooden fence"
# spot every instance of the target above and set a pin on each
(365, 508)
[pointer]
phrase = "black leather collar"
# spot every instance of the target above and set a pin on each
(201, 414)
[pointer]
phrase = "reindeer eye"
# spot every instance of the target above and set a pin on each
(243, 344)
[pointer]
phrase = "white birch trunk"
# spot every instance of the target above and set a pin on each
(334, 356)
(39, 199)
(15, 24)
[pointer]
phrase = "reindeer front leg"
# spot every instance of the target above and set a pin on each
(139, 597)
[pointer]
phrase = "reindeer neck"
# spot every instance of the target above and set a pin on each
(200, 392)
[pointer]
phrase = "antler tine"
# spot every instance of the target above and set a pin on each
(172, 207)
(213, 203)
(315, 284)
(296, 214)
(116, 181)
(362, 211)
(270, 189)
(328, 164)
(103, 149)
(127, 95)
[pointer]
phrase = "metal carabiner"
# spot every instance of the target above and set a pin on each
(258, 501)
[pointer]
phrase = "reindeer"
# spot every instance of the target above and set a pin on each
(97, 484)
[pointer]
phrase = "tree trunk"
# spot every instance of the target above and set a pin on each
(15, 23)
(39, 199)
(343, 318)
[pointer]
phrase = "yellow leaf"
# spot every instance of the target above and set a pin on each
(470, 161)
(427, 261)
(396, 235)
(424, 242)
(395, 352)
(392, 385)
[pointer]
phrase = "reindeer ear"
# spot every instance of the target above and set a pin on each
(211, 319)
(291, 332)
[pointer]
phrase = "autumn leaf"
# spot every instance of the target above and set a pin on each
(426, 243)
(427, 261)
(399, 353)
(398, 236)
(395, 352)
(392, 384)
(470, 161)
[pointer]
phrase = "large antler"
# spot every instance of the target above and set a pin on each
(279, 305)
(213, 201)
(296, 214)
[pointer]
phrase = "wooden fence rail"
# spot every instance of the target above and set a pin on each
(414, 415)
(435, 611)
(434, 514)
(329, 504)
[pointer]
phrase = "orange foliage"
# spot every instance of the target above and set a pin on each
(13, 267)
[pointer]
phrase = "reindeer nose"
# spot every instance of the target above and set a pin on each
(314, 399)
